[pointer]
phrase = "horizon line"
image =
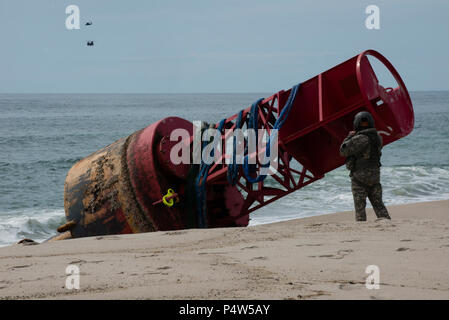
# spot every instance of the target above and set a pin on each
(225, 92)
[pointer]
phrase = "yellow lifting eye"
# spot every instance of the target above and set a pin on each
(169, 202)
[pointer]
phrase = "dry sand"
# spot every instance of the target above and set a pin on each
(323, 257)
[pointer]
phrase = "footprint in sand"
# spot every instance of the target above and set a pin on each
(212, 252)
(20, 267)
(349, 285)
(344, 286)
(174, 233)
(146, 256)
(107, 238)
(383, 224)
(164, 268)
(5, 282)
(314, 225)
(324, 256)
(339, 255)
(259, 258)
(79, 261)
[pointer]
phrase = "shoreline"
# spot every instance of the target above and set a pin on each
(319, 257)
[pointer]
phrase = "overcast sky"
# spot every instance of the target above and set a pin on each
(170, 46)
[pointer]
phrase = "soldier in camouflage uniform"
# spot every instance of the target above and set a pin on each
(362, 149)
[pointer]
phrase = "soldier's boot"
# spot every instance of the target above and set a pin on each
(375, 197)
(360, 216)
(382, 214)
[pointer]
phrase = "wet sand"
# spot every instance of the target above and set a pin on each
(322, 257)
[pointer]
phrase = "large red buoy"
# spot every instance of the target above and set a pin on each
(132, 186)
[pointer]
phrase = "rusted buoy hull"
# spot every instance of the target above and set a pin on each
(98, 195)
(114, 190)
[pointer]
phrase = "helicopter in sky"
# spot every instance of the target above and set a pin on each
(89, 43)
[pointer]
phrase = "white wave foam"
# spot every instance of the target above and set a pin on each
(37, 225)
(401, 185)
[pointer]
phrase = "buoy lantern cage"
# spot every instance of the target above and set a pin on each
(131, 186)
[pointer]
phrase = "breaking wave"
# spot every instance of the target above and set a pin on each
(37, 225)
(401, 185)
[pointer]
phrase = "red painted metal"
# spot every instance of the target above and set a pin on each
(320, 118)
(150, 179)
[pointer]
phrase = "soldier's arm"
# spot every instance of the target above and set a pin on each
(350, 135)
(352, 146)
(381, 141)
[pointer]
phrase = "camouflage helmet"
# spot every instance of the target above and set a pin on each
(363, 120)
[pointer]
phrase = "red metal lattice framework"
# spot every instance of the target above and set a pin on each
(288, 179)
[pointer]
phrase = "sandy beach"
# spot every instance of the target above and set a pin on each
(322, 257)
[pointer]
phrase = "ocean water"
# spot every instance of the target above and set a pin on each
(42, 136)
